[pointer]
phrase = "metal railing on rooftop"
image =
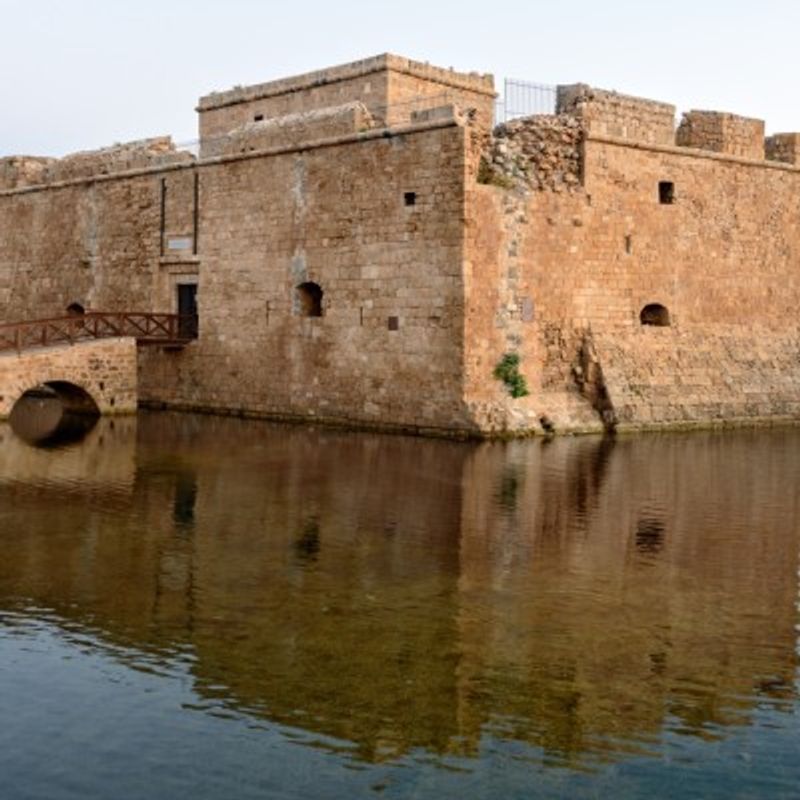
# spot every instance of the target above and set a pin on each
(525, 99)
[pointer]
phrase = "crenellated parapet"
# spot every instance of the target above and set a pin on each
(605, 113)
(720, 132)
(784, 147)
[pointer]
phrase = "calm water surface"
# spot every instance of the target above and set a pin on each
(202, 608)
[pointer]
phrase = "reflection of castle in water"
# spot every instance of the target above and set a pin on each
(399, 594)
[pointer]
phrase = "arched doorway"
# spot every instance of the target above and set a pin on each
(655, 314)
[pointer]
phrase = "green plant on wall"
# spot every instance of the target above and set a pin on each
(508, 372)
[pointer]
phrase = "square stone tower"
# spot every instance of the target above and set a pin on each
(391, 87)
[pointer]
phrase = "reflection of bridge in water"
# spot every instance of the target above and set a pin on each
(401, 594)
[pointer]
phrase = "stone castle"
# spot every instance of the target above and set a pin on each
(364, 248)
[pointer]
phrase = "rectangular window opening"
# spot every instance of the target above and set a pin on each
(410, 198)
(666, 193)
(394, 323)
(188, 317)
(258, 118)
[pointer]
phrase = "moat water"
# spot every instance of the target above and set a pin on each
(194, 607)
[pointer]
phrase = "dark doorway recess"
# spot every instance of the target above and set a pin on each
(310, 297)
(188, 325)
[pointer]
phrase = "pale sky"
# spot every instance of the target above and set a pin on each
(81, 74)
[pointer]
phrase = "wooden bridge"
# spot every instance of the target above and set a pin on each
(147, 328)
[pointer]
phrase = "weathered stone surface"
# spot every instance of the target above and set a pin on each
(293, 130)
(390, 86)
(541, 152)
(722, 133)
(104, 369)
(438, 249)
(784, 147)
(610, 114)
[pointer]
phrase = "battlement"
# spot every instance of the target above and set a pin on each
(605, 113)
(784, 147)
(721, 132)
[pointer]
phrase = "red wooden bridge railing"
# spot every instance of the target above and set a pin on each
(146, 328)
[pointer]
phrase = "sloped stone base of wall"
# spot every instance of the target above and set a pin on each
(709, 375)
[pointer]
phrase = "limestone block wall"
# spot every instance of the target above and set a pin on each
(436, 249)
(722, 133)
(106, 243)
(377, 223)
(544, 270)
(155, 152)
(18, 171)
(105, 369)
(389, 86)
(605, 113)
(719, 374)
(415, 87)
(783, 147)
(293, 130)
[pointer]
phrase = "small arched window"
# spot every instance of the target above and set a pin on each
(310, 299)
(75, 310)
(655, 314)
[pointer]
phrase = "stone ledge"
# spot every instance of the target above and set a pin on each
(691, 152)
(379, 133)
(179, 261)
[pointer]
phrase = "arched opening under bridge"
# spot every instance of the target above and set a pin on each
(54, 414)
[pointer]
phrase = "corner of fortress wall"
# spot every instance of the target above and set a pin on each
(583, 237)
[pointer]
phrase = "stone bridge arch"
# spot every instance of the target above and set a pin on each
(87, 377)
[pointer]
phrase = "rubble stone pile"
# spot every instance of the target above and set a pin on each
(540, 152)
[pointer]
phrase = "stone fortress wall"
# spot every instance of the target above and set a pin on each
(581, 220)
(439, 246)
